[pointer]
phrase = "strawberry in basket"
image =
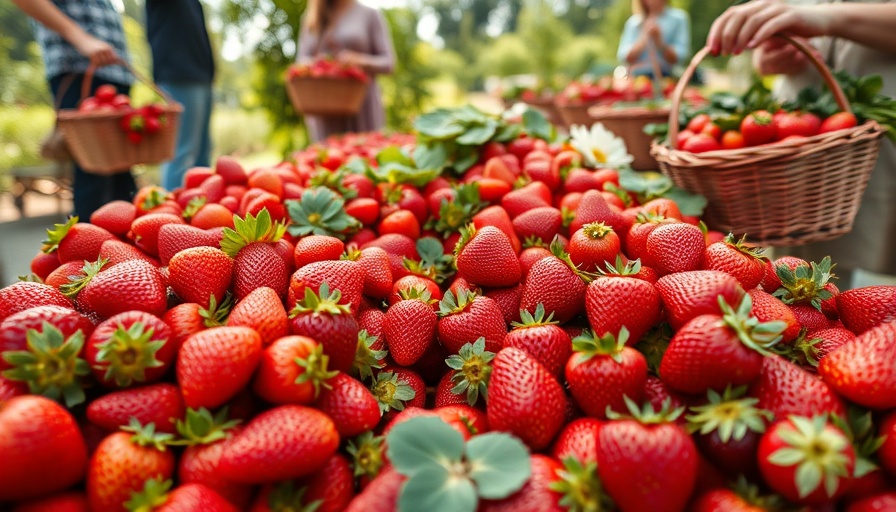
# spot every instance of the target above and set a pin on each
(327, 68)
(146, 120)
(106, 98)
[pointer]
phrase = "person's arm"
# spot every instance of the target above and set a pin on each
(381, 60)
(680, 47)
(46, 13)
(633, 42)
(746, 26)
(305, 54)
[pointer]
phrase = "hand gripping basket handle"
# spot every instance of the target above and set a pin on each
(88, 81)
(822, 68)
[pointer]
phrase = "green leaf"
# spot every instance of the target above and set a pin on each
(433, 155)
(688, 203)
(435, 489)
(478, 135)
(538, 126)
(499, 464)
(393, 154)
(466, 157)
(438, 124)
(421, 443)
(508, 133)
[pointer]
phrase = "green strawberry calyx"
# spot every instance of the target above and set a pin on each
(417, 292)
(472, 369)
(730, 415)
(146, 435)
(320, 211)
(818, 452)
(859, 428)
(366, 358)
(251, 229)
(536, 319)
(596, 230)
(654, 345)
(454, 215)
(50, 364)
(745, 248)
(452, 305)
(333, 180)
(77, 283)
(391, 392)
(750, 493)
(620, 268)
(445, 473)
(285, 496)
(128, 353)
(434, 263)
(467, 233)
(324, 302)
(561, 254)
(200, 427)
(153, 495)
(580, 487)
(216, 314)
(193, 206)
(57, 234)
(755, 335)
(314, 370)
(806, 283)
(367, 453)
(589, 346)
(156, 197)
(534, 241)
(567, 216)
(647, 413)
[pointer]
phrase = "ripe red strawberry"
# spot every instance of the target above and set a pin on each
(543, 223)
(619, 299)
(554, 282)
(876, 503)
(508, 299)
(156, 495)
(24, 295)
(115, 217)
(735, 257)
(524, 398)
(381, 494)
(409, 326)
(602, 372)
(292, 370)
(816, 345)
(189, 318)
(263, 311)
(129, 286)
(687, 295)
(323, 317)
(445, 394)
(485, 257)
(862, 370)
(468, 378)
(810, 317)
(786, 389)
(14, 330)
(808, 461)
(804, 283)
(464, 319)
(225, 355)
(498, 217)
(159, 404)
(346, 276)
(329, 490)
(635, 239)
(65, 274)
(537, 494)
(377, 271)
(314, 248)
(526, 198)
(197, 273)
(594, 208)
(117, 251)
(578, 439)
(145, 230)
(350, 405)
(767, 308)
(174, 238)
(36, 434)
(130, 348)
(414, 281)
(289, 441)
(70, 501)
(863, 308)
(594, 246)
(256, 262)
(76, 241)
(42, 264)
(540, 336)
(741, 499)
(123, 461)
(647, 462)
(676, 247)
(715, 351)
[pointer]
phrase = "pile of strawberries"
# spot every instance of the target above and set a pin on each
(135, 122)
(249, 341)
(327, 68)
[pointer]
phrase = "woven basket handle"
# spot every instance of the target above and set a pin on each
(88, 81)
(822, 68)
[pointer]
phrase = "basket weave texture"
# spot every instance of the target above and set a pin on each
(786, 193)
(628, 123)
(326, 96)
(100, 146)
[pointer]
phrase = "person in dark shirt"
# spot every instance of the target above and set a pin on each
(183, 66)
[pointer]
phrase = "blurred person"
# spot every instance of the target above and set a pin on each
(353, 34)
(856, 37)
(653, 22)
(72, 35)
(183, 67)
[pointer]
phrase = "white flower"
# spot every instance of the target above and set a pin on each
(600, 147)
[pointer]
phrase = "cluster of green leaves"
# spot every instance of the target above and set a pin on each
(647, 186)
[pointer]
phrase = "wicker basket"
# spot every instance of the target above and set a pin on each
(576, 113)
(785, 193)
(326, 96)
(100, 146)
(628, 123)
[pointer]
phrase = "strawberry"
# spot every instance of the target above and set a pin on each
(540, 336)
(802, 124)
(554, 282)
(886, 454)
(159, 404)
(602, 372)
(292, 370)
(289, 441)
(647, 462)
(256, 262)
(65, 274)
(129, 286)
(468, 379)
(743, 498)
(736, 258)
(804, 283)
(498, 217)
(76, 241)
(24, 295)
(14, 330)
(381, 494)
(816, 345)
(593, 246)
(809, 317)
(263, 311)
(619, 299)
(863, 308)
(377, 271)
(767, 308)
(543, 223)
(466, 318)
(42, 264)
(875, 503)
(526, 198)
(189, 318)
(409, 326)
(117, 251)
(128, 348)
(786, 389)
(350, 405)
(197, 273)
(225, 355)
(675, 247)
(594, 208)
(862, 369)
(206, 437)
(524, 398)
(485, 257)
(445, 394)
(156, 496)
(123, 461)
(770, 280)
(537, 494)
(71, 501)
(808, 461)
(115, 217)
(578, 439)
(714, 351)
(329, 490)
(145, 230)
(687, 295)
(757, 128)
(174, 238)
(322, 316)
(508, 300)
(231, 170)
(37, 434)
(346, 276)
(384, 390)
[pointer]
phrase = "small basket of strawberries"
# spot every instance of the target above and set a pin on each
(107, 135)
(326, 87)
(781, 174)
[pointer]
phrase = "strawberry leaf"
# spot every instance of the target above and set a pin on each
(421, 443)
(499, 464)
(436, 489)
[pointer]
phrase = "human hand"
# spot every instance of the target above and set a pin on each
(745, 26)
(351, 58)
(777, 57)
(98, 51)
(651, 29)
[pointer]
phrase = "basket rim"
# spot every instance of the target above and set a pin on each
(608, 112)
(320, 79)
(73, 114)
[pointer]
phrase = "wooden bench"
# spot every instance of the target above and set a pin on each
(51, 180)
